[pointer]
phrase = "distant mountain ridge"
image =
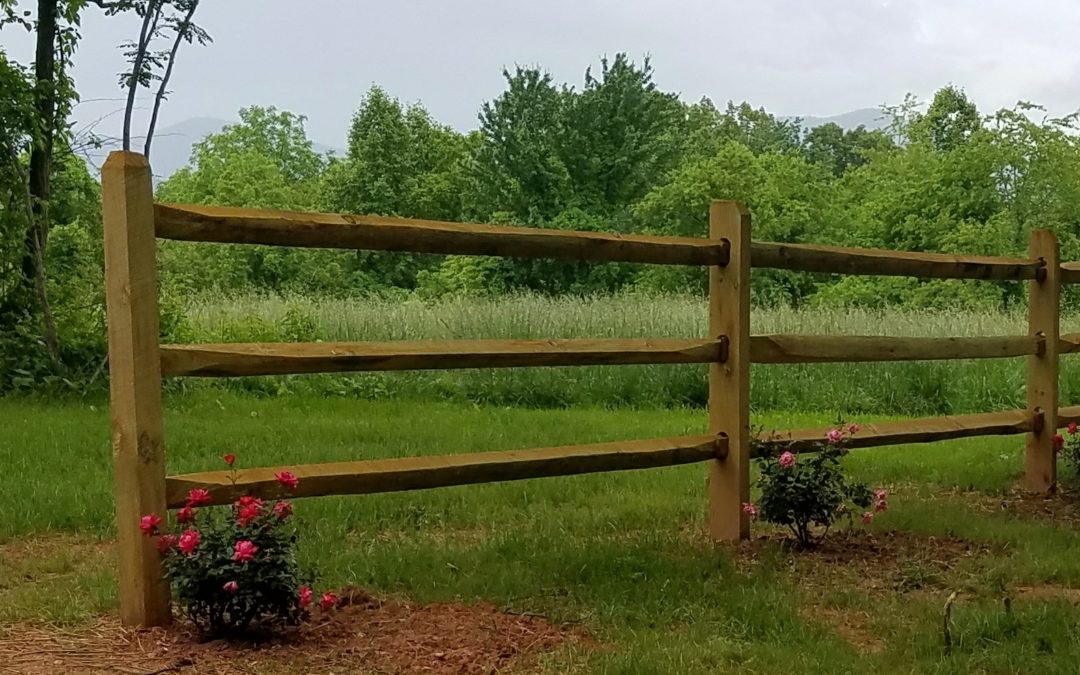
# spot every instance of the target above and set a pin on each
(871, 118)
(172, 144)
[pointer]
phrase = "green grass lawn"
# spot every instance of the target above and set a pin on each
(621, 554)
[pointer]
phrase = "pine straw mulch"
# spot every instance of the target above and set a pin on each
(364, 635)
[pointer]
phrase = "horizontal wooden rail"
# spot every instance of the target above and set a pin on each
(1069, 343)
(234, 360)
(419, 473)
(376, 233)
(852, 348)
(868, 261)
(1068, 414)
(1070, 273)
(924, 430)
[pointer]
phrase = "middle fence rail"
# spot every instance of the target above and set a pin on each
(137, 361)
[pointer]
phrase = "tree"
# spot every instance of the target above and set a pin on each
(621, 135)
(838, 150)
(950, 121)
(518, 167)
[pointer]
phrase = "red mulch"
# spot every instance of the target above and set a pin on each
(366, 634)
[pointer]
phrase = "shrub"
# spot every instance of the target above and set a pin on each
(1069, 448)
(808, 492)
(235, 568)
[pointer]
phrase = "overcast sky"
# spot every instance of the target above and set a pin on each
(795, 57)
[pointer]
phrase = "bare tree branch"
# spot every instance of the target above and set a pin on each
(183, 30)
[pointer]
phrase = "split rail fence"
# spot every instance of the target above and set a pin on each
(138, 362)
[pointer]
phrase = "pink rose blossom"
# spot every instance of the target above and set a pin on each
(248, 500)
(185, 515)
(328, 601)
(231, 587)
(750, 510)
(1072, 428)
(787, 460)
(305, 597)
(230, 459)
(853, 429)
(149, 524)
(835, 435)
(282, 510)
(867, 518)
(198, 497)
(244, 551)
(165, 543)
(1059, 442)
(247, 514)
(189, 541)
(288, 479)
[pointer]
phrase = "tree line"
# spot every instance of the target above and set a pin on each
(616, 153)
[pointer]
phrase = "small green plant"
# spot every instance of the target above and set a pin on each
(807, 492)
(233, 569)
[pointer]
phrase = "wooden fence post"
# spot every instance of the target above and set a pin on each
(729, 382)
(1040, 462)
(135, 382)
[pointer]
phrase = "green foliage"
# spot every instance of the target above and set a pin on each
(808, 492)
(231, 567)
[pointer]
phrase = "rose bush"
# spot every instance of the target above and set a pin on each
(808, 492)
(1069, 448)
(235, 568)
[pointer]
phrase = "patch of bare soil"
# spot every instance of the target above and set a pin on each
(364, 635)
(1059, 508)
(865, 561)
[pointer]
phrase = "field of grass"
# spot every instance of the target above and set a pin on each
(923, 388)
(622, 555)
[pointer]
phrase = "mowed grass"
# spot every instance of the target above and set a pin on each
(923, 388)
(621, 554)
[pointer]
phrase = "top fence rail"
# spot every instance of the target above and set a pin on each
(376, 233)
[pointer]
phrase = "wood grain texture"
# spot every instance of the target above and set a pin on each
(1069, 343)
(421, 473)
(855, 348)
(1044, 297)
(924, 430)
(729, 382)
(376, 233)
(879, 262)
(1070, 273)
(233, 360)
(134, 382)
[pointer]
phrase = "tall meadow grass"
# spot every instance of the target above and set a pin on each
(933, 387)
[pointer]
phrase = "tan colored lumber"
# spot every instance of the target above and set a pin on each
(135, 382)
(1040, 463)
(230, 360)
(376, 233)
(924, 430)
(854, 348)
(729, 382)
(1068, 414)
(1070, 273)
(421, 473)
(868, 261)
(1069, 343)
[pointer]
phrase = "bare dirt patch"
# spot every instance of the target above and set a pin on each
(863, 563)
(1059, 508)
(365, 635)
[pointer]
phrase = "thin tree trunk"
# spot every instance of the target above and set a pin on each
(39, 188)
(181, 29)
(149, 24)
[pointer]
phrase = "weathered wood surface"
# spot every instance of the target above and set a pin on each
(868, 261)
(231, 360)
(134, 382)
(421, 473)
(376, 233)
(1070, 273)
(924, 430)
(1044, 299)
(1069, 343)
(854, 348)
(729, 382)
